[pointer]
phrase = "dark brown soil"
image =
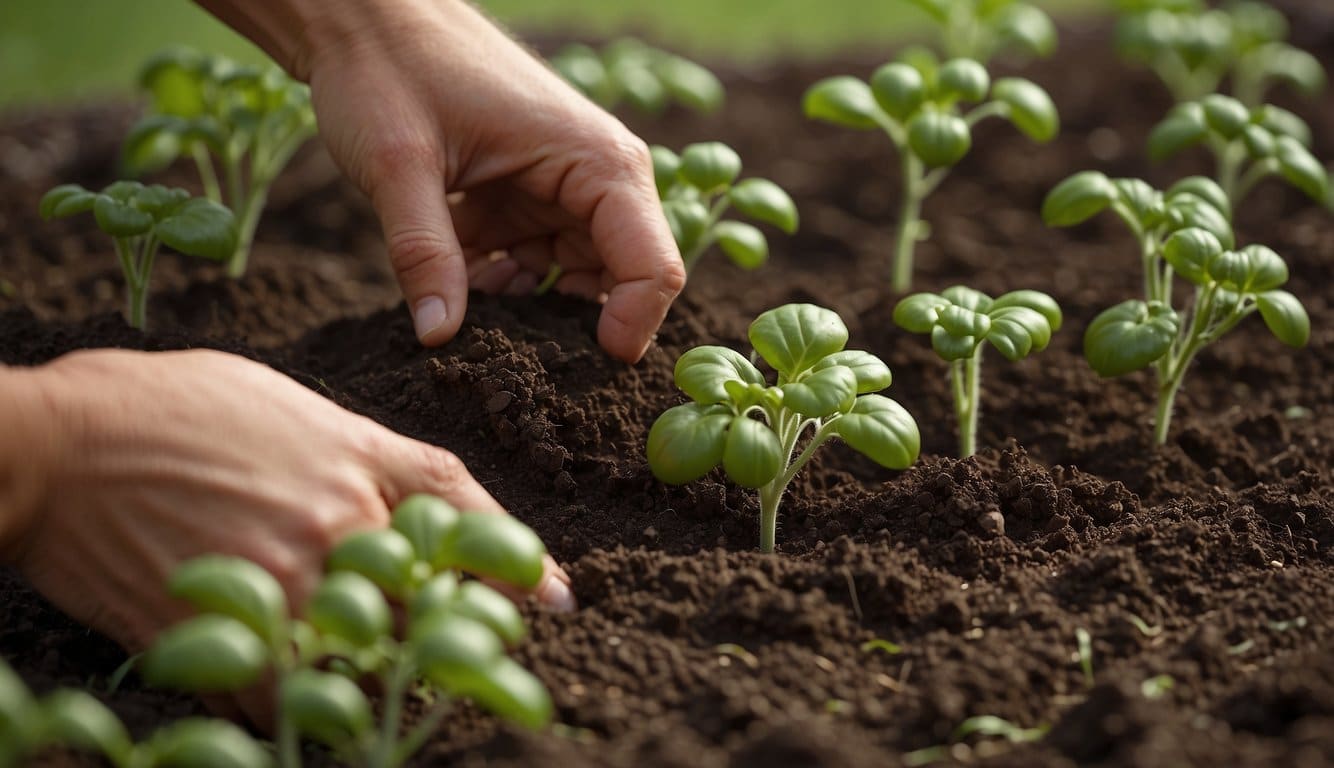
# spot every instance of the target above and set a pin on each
(690, 649)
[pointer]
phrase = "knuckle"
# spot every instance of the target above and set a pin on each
(443, 469)
(415, 250)
(626, 156)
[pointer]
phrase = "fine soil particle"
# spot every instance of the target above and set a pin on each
(1207, 560)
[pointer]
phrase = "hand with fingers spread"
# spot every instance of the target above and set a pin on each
(117, 466)
(484, 166)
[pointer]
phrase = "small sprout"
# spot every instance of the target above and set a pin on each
(1157, 686)
(822, 388)
(1288, 624)
(1192, 48)
(248, 120)
(987, 726)
(140, 220)
(648, 79)
(885, 646)
(1242, 648)
(983, 29)
(1144, 627)
(960, 320)
(918, 105)
(1084, 651)
(456, 634)
(1249, 145)
(698, 187)
(732, 650)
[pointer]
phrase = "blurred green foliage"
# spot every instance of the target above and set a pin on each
(54, 50)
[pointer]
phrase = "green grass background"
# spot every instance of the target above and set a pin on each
(56, 50)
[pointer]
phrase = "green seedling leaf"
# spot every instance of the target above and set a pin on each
(425, 520)
(1253, 269)
(175, 78)
(1035, 300)
(479, 602)
(385, 557)
(794, 337)
(1301, 169)
(844, 101)
(825, 392)
(1203, 188)
(583, 68)
(66, 200)
(692, 85)
(919, 312)
(76, 720)
(1031, 109)
(201, 743)
(1143, 201)
(1225, 115)
(1260, 142)
(1074, 201)
(153, 144)
(882, 430)
(511, 692)
(870, 371)
(15, 699)
(666, 168)
(350, 607)
(208, 654)
(939, 139)
(1157, 686)
(120, 219)
(1130, 336)
(702, 373)
(1285, 317)
(496, 546)
(765, 201)
(234, 587)
(1190, 252)
(640, 86)
(1281, 122)
(1183, 128)
(899, 89)
(990, 725)
(326, 707)
(710, 165)
(951, 347)
(745, 245)
(687, 441)
(1017, 332)
(882, 645)
(1028, 29)
(688, 220)
(752, 455)
(437, 594)
(455, 652)
(962, 79)
(1187, 211)
(200, 228)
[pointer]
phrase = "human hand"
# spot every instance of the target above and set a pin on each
(420, 98)
(161, 457)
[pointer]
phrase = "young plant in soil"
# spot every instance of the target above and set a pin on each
(248, 120)
(753, 428)
(140, 220)
(1193, 48)
(983, 29)
(919, 106)
(649, 79)
(454, 640)
(700, 185)
(1183, 233)
(959, 320)
(1249, 145)
(76, 721)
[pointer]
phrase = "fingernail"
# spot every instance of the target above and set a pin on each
(555, 594)
(429, 314)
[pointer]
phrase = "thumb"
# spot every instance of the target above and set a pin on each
(423, 249)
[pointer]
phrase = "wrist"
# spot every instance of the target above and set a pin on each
(38, 432)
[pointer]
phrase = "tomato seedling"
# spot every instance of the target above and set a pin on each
(918, 106)
(960, 321)
(455, 637)
(1193, 48)
(647, 78)
(249, 120)
(140, 220)
(700, 185)
(1249, 145)
(1184, 232)
(737, 420)
(983, 29)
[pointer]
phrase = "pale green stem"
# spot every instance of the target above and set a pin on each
(1172, 369)
(399, 678)
(286, 739)
(421, 732)
(1254, 175)
(207, 177)
(1231, 157)
(966, 382)
(706, 238)
(789, 429)
(910, 214)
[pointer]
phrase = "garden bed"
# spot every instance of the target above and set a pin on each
(689, 649)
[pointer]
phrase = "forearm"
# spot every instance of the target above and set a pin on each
(34, 429)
